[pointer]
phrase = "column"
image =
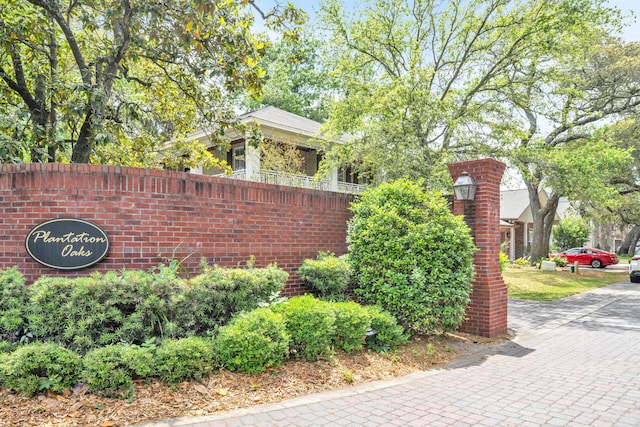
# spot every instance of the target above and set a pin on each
(487, 312)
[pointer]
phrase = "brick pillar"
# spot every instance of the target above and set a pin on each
(487, 312)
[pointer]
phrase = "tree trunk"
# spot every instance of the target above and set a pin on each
(629, 242)
(84, 144)
(543, 216)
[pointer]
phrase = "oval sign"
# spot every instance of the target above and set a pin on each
(67, 243)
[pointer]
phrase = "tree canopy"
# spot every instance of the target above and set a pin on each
(525, 81)
(114, 80)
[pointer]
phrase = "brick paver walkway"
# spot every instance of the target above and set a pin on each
(574, 362)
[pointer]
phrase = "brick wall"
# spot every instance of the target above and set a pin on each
(148, 213)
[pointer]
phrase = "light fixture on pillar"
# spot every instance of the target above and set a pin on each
(465, 187)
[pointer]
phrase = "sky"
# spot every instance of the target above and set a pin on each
(631, 32)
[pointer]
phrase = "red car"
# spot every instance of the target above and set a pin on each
(596, 258)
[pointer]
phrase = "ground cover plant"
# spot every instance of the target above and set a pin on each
(540, 285)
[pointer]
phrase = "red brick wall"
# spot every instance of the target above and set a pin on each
(179, 215)
(487, 313)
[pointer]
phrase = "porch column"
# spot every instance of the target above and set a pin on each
(333, 179)
(512, 244)
(252, 162)
(487, 312)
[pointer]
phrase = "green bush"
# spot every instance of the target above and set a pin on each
(109, 371)
(328, 276)
(504, 261)
(184, 359)
(133, 306)
(571, 232)
(43, 366)
(212, 298)
(560, 262)
(7, 346)
(522, 262)
(388, 334)
(253, 341)
(411, 256)
(352, 322)
(14, 302)
(103, 309)
(311, 325)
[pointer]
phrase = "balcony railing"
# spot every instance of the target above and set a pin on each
(295, 180)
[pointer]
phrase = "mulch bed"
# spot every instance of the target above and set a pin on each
(226, 391)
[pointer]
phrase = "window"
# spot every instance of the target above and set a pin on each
(238, 159)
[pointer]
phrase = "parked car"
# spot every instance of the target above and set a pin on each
(634, 268)
(596, 258)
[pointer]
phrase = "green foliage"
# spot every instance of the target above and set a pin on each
(185, 359)
(571, 232)
(37, 367)
(560, 262)
(504, 261)
(411, 256)
(328, 275)
(389, 334)
(123, 78)
(352, 322)
(212, 298)
(253, 341)
(295, 80)
(107, 373)
(311, 325)
(103, 309)
(14, 297)
(134, 306)
(522, 262)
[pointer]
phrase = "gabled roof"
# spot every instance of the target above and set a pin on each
(276, 118)
(272, 121)
(513, 203)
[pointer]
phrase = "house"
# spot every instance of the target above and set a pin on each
(287, 129)
(516, 224)
(516, 220)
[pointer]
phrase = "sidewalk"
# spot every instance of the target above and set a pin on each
(574, 362)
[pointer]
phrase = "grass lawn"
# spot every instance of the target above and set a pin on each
(550, 285)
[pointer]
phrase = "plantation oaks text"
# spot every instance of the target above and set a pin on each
(67, 243)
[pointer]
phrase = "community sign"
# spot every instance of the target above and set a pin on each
(67, 243)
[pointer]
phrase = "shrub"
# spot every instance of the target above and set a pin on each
(103, 309)
(389, 334)
(212, 298)
(560, 262)
(109, 371)
(352, 322)
(132, 306)
(42, 366)
(571, 232)
(504, 261)
(311, 325)
(411, 256)
(183, 359)
(105, 373)
(14, 303)
(328, 276)
(7, 346)
(253, 341)
(522, 262)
